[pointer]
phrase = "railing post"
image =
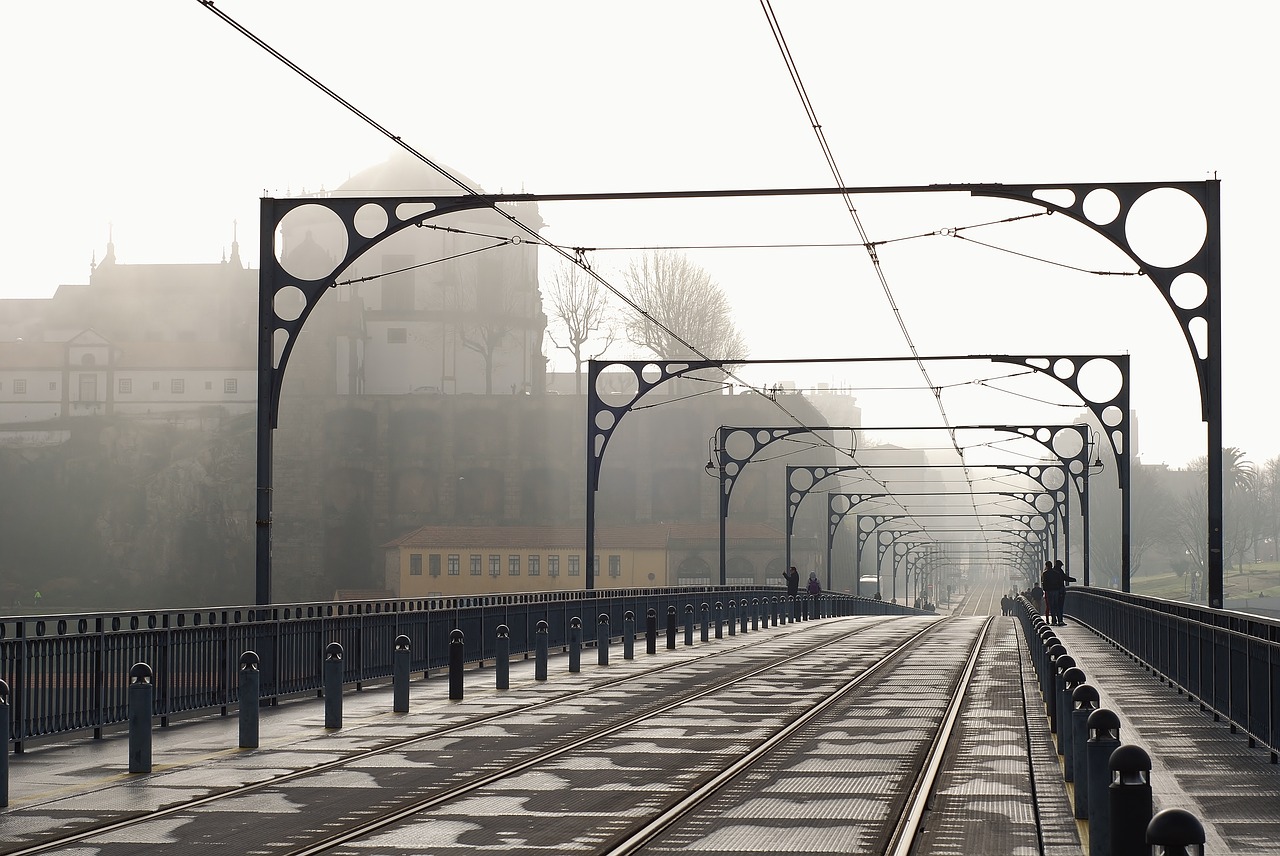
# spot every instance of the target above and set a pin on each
(575, 644)
(1084, 701)
(249, 691)
(1104, 738)
(755, 613)
(1056, 703)
(628, 635)
(502, 658)
(141, 703)
(651, 631)
(1176, 832)
(733, 618)
(400, 663)
(1071, 679)
(719, 621)
(4, 750)
(333, 685)
(688, 624)
(1130, 799)
(602, 639)
(540, 651)
(671, 628)
(457, 656)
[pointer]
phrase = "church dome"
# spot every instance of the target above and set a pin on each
(402, 173)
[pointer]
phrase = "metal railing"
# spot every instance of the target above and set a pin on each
(69, 673)
(1228, 661)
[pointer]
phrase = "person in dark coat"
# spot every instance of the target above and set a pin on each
(1054, 581)
(792, 576)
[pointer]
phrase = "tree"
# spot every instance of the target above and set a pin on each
(579, 302)
(681, 297)
(1240, 524)
(489, 310)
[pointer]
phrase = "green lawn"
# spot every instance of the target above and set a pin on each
(1260, 580)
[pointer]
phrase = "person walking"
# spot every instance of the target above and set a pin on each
(792, 576)
(814, 588)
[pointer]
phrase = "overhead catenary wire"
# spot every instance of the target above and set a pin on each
(576, 259)
(829, 156)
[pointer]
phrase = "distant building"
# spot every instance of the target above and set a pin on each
(436, 561)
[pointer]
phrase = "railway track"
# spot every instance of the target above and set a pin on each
(781, 744)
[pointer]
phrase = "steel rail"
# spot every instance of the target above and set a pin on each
(399, 745)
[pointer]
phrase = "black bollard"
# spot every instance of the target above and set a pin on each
(773, 611)
(502, 658)
(602, 639)
(671, 628)
(1060, 665)
(1071, 678)
(755, 613)
(331, 681)
(540, 651)
(719, 620)
(250, 685)
(804, 609)
(688, 624)
(1050, 682)
(651, 632)
(457, 656)
(400, 662)
(5, 719)
(1176, 832)
(706, 622)
(733, 618)
(575, 644)
(1084, 701)
(142, 695)
(1104, 738)
(1130, 798)
(742, 614)
(628, 635)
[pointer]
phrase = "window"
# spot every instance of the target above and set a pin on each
(615, 566)
(20, 387)
(475, 564)
(53, 385)
(455, 564)
(595, 566)
(397, 335)
(495, 566)
(125, 385)
(433, 565)
(553, 566)
(155, 386)
(208, 385)
(177, 386)
(231, 385)
(415, 564)
(534, 563)
(574, 569)
(513, 565)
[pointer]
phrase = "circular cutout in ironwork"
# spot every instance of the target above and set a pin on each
(1166, 227)
(1053, 478)
(1101, 206)
(840, 504)
(1112, 416)
(605, 420)
(1067, 443)
(1044, 503)
(801, 479)
(1099, 381)
(371, 220)
(739, 445)
(651, 373)
(289, 303)
(1188, 291)
(311, 242)
(1064, 368)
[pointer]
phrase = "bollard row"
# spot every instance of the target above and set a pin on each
(740, 617)
(1111, 781)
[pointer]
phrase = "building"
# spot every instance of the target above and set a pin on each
(434, 561)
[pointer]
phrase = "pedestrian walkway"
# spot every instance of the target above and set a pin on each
(1197, 764)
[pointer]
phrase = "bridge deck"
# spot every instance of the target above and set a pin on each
(985, 802)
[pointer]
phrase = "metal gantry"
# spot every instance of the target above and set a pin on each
(1191, 288)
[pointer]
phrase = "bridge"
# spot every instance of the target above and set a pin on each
(755, 724)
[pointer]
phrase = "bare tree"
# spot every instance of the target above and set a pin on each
(681, 297)
(579, 302)
(489, 310)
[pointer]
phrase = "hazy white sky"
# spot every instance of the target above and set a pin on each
(157, 118)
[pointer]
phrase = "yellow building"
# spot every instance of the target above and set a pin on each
(434, 561)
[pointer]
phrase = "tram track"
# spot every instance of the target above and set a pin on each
(445, 733)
